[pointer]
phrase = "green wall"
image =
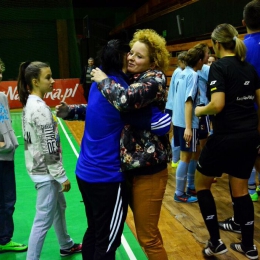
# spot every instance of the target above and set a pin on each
(29, 32)
(28, 29)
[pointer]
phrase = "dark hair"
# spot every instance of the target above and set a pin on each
(195, 53)
(227, 35)
(251, 15)
(182, 55)
(27, 72)
(112, 55)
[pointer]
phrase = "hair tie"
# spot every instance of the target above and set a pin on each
(234, 38)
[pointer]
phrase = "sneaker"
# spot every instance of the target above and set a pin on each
(254, 197)
(185, 198)
(191, 192)
(76, 248)
(13, 246)
(175, 165)
(258, 190)
(229, 225)
(211, 250)
(250, 252)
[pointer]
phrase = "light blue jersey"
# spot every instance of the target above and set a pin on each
(203, 79)
(186, 87)
(169, 103)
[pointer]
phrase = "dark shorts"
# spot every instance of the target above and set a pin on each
(204, 127)
(179, 140)
(232, 154)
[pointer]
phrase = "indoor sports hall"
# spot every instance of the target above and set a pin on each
(181, 225)
(65, 34)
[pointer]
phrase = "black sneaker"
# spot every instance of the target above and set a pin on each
(211, 249)
(249, 252)
(229, 225)
(76, 248)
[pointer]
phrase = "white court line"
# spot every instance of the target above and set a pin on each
(127, 248)
(123, 240)
(71, 144)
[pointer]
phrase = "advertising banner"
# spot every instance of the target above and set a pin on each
(67, 90)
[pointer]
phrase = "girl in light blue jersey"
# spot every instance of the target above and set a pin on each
(186, 123)
(169, 104)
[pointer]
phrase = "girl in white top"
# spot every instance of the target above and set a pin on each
(43, 159)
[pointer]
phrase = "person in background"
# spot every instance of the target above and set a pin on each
(252, 22)
(43, 159)
(8, 144)
(234, 87)
(169, 104)
(186, 124)
(205, 124)
(212, 58)
(85, 79)
(251, 19)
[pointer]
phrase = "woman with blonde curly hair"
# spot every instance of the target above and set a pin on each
(156, 45)
(147, 175)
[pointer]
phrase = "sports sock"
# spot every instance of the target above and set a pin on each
(236, 220)
(209, 214)
(251, 188)
(251, 182)
(191, 174)
(175, 152)
(244, 210)
(181, 178)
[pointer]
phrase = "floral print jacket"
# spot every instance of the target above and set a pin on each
(139, 148)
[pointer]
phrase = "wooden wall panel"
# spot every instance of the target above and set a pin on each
(63, 48)
(184, 47)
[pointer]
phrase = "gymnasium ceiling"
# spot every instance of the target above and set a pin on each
(133, 4)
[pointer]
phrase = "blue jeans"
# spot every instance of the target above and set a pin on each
(7, 200)
(50, 209)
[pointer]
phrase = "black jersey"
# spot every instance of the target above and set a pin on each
(239, 81)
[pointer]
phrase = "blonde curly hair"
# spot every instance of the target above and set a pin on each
(156, 45)
(2, 66)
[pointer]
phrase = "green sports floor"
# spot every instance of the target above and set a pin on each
(75, 214)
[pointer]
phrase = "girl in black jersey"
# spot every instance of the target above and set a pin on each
(234, 86)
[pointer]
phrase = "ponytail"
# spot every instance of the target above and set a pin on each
(226, 35)
(240, 49)
(23, 88)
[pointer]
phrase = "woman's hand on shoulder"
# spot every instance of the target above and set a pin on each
(98, 75)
